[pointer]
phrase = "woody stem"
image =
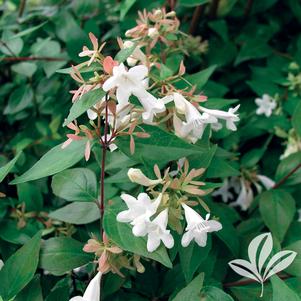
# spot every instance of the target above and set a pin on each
(104, 143)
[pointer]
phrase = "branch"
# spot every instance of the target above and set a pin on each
(248, 8)
(32, 58)
(213, 9)
(195, 19)
(283, 180)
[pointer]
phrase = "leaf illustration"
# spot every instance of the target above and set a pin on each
(265, 251)
(244, 268)
(284, 259)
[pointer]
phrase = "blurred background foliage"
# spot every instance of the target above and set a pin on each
(253, 46)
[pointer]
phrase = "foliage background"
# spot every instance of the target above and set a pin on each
(252, 45)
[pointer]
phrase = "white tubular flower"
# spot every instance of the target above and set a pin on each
(266, 105)
(266, 181)
(194, 126)
(151, 105)
(92, 292)
(197, 228)
(139, 211)
(157, 232)
(224, 191)
(136, 56)
(137, 176)
(245, 196)
(230, 117)
(133, 82)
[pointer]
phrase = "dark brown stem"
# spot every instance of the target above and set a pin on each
(249, 281)
(172, 4)
(248, 8)
(105, 145)
(21, 8)
(283, 180)
(195, 19)
(31, 58)
(213, 9)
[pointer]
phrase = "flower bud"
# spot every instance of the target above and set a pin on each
(158, 13)
(153, 32)
(137, 176)
(171, 14)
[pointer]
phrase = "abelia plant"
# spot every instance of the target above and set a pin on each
(150, 150)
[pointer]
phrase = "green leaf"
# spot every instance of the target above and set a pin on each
(77, 184)
(32, 291)
(286, 166)
(77, 213)
(54, 161)
(275, 206)
(295, 267)
(254, 48)
(191, 258)
(296, 120)
(192, 3)
(62, 254)
(5, 170)
(192, 291)
(125, 7)
(19, 269)
(83, 104)
(200, 78)
(161, 147)
(124, 53)
(212, 293)
(121, 234)
(281, 291)
(31, 196)
(25, 68)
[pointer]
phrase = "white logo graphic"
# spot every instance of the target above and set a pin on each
(259, 268)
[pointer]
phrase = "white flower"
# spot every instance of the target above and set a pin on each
(136, 56)
(153, 32)
(139, 211)
(157, 232)
(224, 191)
(1, 264)
(92, 292)
(266, 181)
(266, 105)
(230, 117)
(193, 128)
(197, 228)
(137, 176)
(132, 82)
(245, 196)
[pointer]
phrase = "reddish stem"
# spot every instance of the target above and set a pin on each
(283, 180)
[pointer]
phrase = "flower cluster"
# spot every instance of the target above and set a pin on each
(178, 191)
(143, 91)
(243, 187)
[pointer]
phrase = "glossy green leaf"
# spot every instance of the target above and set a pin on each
(281, 291)
(5, 170)
(275, 206)
(77, 213)
(77, 184)
(192, 291)
(83, 104)
(54, 161)
(19, 269)
(62, 254)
